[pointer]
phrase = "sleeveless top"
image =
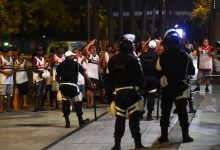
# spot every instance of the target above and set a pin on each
(92, 69)
(40, 67)
(21, 73)
(57, 60)
(7, 65)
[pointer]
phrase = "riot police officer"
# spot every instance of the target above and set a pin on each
(67, 76)
(126, 80)
(148, 60)
(175, 66)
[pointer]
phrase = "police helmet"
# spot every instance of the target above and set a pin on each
(126, 43)
(171, 38)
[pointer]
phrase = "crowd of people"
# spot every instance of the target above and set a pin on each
(125, 76)
(14, 75)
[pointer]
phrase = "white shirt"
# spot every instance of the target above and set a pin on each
(81, 79)
(57, 60)
(107, 56)
(7, 65)
(21, 73)
(40, 67)
(92, 69)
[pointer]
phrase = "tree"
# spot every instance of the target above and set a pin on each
(202, 11)
(9, 20)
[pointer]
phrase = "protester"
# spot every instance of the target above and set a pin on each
(22, 79)
(54, 62)
(205, 55)
(126, 79)
(38, 81)
(92, 71)
(81, 80)
(6, 80)
(102, 72)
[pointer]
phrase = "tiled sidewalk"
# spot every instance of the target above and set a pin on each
(205, 129)
(27, 130)
(99, 135)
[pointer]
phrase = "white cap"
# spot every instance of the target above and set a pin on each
(152, 44)
(130, 37)
(157, 41)
(69, 53)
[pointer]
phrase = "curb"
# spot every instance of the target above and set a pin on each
(72, 132)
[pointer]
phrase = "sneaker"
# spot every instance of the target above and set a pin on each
(206, 89)
(196, 89)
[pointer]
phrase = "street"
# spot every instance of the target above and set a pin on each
(45, 130)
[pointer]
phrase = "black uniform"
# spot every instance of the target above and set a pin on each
(125, 75)
(190, 99)
(174, 66)
(148, 61)
(67, 75)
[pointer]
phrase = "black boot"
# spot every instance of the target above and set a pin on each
(191, 109)
(186, 137)
(149, 116)
(67, 122)
(164, 135)
(79, 113)
(138, 143)
(117, 145)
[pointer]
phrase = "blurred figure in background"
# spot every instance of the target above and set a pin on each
(22, 79)
(92, 71)
(81, 80)
(38, 65)
(6, 80)
(55, 60)
(148, 60)
(205, 54)
(102, 73)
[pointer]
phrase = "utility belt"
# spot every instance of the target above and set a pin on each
(68, 83)
(136, 88)
(137, 106)
(75, 92)
(117, 111)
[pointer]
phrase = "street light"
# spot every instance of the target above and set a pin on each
(6, 44)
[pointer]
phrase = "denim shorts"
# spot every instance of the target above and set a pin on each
(6, 89)
(40, 88)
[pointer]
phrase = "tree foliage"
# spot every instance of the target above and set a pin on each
(28, 16)
(202, 10)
